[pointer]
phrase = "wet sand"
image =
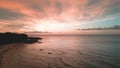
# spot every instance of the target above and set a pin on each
(65, 52)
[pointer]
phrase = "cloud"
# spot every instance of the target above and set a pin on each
(58, 9)
(113, 8)
(9, 15)
(61, 11)
(115, 27)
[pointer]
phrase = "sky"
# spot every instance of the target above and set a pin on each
(57, 15)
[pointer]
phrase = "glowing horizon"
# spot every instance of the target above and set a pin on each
(57, 15)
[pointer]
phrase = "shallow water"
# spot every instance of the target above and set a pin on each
(66, 52)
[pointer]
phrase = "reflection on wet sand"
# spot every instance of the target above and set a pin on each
(65, 52)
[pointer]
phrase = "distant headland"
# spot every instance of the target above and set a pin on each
(8, 37)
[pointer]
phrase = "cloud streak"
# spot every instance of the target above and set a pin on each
(115, 27)
(27, 12)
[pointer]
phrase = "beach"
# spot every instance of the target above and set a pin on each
(64, 52)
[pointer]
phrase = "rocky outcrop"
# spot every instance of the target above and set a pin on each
(6, 38)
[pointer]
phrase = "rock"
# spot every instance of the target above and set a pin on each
(49, 53)
(6, 38)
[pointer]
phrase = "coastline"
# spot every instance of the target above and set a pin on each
(3, 50)
(8, 38)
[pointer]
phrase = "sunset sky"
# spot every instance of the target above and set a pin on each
(57, 15)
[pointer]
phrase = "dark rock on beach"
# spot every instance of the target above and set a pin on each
(32, 40)
(6, 38)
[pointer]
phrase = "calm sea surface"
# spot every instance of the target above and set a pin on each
(66, 52)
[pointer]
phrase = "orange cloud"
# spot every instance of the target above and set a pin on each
(27, 12)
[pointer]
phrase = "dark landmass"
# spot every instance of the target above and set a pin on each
(9, 38)
(6, 38)
(115, 27)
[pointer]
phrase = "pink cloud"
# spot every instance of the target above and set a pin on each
(65, 11)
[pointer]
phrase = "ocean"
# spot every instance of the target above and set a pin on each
(65, 52)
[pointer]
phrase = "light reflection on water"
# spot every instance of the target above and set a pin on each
(66, 52)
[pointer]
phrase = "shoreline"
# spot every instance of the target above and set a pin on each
(7, 38)
(3, 50)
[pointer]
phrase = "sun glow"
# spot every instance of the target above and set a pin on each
(50, 27)
(53, 26)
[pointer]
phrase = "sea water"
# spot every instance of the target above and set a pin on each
(65, 52)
